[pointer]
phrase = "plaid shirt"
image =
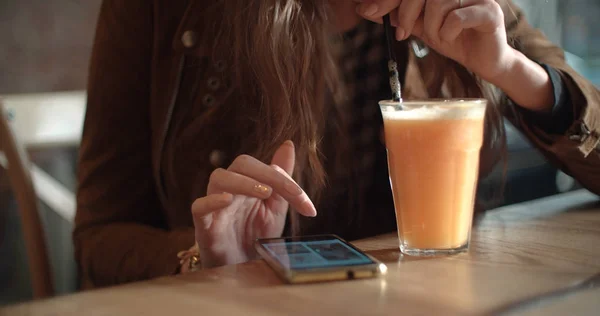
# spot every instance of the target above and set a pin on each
(364, 69)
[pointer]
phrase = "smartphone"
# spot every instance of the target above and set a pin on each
(317, 259)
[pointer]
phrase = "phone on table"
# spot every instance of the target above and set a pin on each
(317, 259)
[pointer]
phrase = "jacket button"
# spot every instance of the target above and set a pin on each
(188, 39)
(582, 137)
(208, 100)
(220, 65)
(214, 83)
(216, 158)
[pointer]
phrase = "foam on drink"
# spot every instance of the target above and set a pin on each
(449, 111)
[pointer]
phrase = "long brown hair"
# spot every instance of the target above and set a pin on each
(285, 69)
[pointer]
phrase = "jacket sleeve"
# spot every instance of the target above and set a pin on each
(576, 151)
(120, 234)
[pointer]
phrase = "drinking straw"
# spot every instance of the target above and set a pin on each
(392, 64)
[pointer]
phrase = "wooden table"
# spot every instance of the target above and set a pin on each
(517, 252)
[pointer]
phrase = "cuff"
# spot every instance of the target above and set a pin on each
(560, 119)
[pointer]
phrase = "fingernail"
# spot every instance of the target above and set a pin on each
(225, 199)
(262, 189)
(293, 188)
(313, 209)
(370, 9)
(400, 34)
(311, 206)
(289, 143)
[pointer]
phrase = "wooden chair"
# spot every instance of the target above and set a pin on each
(19, 176)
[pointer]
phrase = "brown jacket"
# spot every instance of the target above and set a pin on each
(151, 57)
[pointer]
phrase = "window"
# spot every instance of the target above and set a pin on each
(574, 26)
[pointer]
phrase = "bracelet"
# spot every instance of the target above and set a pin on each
(191, 256)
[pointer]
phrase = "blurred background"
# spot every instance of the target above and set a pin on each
(44, 52)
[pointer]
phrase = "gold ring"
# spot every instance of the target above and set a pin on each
(194, 263)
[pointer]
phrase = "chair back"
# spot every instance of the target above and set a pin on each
(17, 167)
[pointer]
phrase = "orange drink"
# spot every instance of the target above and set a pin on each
(433, 157)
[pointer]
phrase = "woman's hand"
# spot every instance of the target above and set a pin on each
(471, 32)
(246, 201)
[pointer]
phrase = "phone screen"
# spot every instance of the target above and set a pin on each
(314, 252)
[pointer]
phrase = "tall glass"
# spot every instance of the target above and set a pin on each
(433, 157)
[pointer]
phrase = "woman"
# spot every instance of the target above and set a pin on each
(205, 120)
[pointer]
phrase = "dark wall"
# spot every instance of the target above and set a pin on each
(45, 45)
